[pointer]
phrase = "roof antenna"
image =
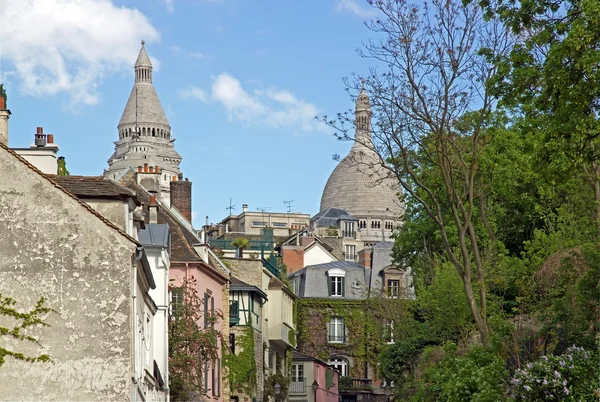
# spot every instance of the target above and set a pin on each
(230, 207)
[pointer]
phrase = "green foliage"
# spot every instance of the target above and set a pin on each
(573, 376)
(477, 375)
(19, 330)
(191, 344)
(277, 378)
(332, 231)
(62, 167)
(242, 366)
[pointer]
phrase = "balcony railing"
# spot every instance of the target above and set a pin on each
(355, 384)
(336, 338)
(298, 387)
(350, 257)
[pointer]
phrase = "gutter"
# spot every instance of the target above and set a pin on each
(141, 256)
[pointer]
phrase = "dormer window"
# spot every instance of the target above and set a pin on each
(336, 282)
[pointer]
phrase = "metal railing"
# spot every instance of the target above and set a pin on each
(298, 387)
(355, 384)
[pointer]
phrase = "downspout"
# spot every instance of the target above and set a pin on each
(166, 312)
(138, 258)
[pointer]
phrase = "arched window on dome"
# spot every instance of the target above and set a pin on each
(143, 130)
(153, 133)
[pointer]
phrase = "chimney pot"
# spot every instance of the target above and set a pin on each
(2, 103)
(50, 138)
(40, 140)
(140, 169)
(40, 130)
(186, 179)
(244, 207)
(151, 169)
(157, 169)
(145, 168)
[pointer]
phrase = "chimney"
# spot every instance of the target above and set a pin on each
(181, 197)
(156, 169)
(50, 138)
(40, 137)
(145, 168)
(4, 115)
(150, 169)
(153, 209)
(140, 169)
(244, 207)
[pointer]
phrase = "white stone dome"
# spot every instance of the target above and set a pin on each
(362, 187)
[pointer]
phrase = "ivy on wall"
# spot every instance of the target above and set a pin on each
(364, 321)
(242, 366)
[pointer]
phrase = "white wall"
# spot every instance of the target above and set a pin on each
(317, 255)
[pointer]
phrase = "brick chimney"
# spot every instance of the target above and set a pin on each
(4, 115)
(181, 197)
(153, 209)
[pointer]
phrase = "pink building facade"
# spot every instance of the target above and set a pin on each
(313, 380)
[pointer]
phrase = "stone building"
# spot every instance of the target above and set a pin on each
(145, 137)
(88, 268)
(361, 187)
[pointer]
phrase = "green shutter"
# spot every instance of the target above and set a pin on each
(212, 312)
(328, 378)
(329, 285)
(343, 287)
(205, 310)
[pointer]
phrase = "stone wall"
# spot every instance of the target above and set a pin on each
(54, 247)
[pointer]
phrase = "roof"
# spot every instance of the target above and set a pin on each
(73, 196)
(93, 187)
(143, 105)
(345, 265)
(239, 285)
(155, 234)
(384, 244)
(333, 215)
(143, 60)
(302, 357)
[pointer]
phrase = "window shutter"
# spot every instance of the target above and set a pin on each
(205, 310)
(328, 378)
(212, 311)
(329, 285)
(343, 287)
(218, 377)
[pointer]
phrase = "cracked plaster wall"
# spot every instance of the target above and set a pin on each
(51, 246)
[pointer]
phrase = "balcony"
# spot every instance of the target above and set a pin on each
(281, 333)
(336, 338)
(349, 384)
(298, 387)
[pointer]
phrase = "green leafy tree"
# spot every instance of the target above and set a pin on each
(241, 244)
(193, 341)
(22, 321)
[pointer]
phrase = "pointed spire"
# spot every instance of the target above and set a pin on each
(143, 60)
(362, 119)
(362, 101)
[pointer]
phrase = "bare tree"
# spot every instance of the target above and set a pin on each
(430, 106)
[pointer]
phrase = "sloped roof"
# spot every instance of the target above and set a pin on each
(92, 187)
(143, 60)
(239, 285)
(155, 234)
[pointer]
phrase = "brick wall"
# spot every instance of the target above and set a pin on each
(293, 258)
(364, 258)
(181, 197)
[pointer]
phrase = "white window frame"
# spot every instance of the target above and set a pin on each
(336, 332)
(336, 285)
(396, 294)
(339, 364)
(298, 372)
(350, 256)
(389, 328)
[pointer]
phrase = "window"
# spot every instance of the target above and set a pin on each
(279, 224)
(362, 224)
(389, 225)
(388, 332)
(298, 372)
(350, 253)
(340, 365)
(393, 288)
(337, 330)
(375, 224)
(296, 286)
(258, 224)
(349, 230)
(336, 286)
(232, 343)
(335, 282)
(176, 301)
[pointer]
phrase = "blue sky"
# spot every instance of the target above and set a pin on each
(240, 82)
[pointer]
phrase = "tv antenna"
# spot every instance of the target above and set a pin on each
(288, 205)
(231, 207)
(263, 210)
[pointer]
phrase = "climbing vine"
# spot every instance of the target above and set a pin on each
(24, 320)
(242, 366)
(365, 323)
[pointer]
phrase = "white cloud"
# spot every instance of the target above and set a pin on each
(271, 107)
(179, 52)
(68, 46)
(352, 7)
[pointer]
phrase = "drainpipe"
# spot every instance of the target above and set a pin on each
(138, 257)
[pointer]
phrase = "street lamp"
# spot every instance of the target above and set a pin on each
(387, 390)
(277, 389)
(315, 387)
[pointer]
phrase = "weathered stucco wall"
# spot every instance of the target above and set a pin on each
(113, 210)
(53, 247)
